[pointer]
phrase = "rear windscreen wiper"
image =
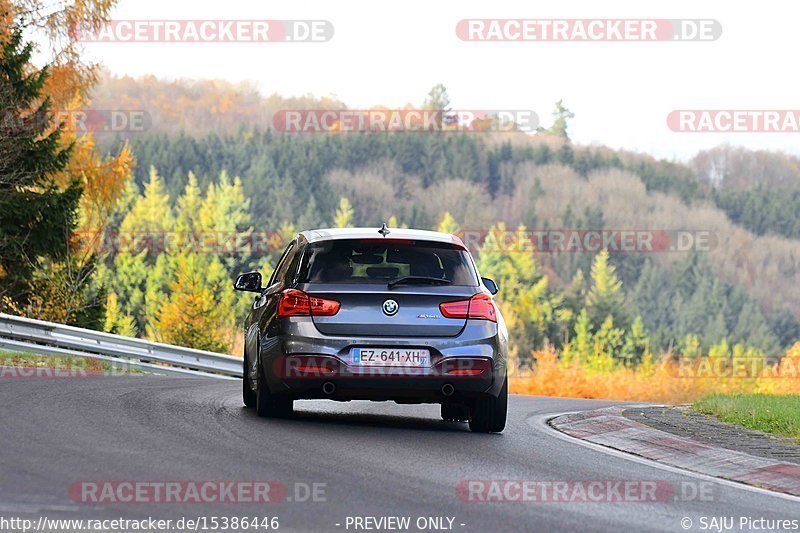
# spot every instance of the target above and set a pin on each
(418, 280)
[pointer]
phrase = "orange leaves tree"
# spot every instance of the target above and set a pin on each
(178, 289)
(64, 289)
(58, 27)
(192, 315)
(33, 211)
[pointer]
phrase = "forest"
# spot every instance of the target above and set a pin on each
(141, 232)
(682, 301)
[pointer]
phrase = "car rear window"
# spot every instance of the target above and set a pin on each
(380, 261)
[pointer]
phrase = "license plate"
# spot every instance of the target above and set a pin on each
(389, 357)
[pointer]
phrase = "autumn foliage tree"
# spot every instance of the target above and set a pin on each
(63, 287)
(173, 278)
(534, 312)
(60, 24)
(605, 298)
(35, 214)
(192, 315)
(344, 215)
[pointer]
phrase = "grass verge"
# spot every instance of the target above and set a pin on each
(772, 413)
(63, 365)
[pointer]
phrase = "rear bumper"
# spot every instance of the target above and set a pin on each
(303, 377)
(474, 363)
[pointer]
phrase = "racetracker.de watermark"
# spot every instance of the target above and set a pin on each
(581, 491)
(513, 241)
(77, 121)
(588, 30)
(195, 491)
(210, 31)
(385, 363)
(407, 120)
(203, 242)
(749, 367)
(734, 121)
(55, 367)
(588, 240)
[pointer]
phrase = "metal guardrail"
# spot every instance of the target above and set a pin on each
(21, 334)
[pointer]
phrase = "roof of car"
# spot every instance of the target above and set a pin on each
(317, 235)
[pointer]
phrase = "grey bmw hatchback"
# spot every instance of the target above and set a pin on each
(377, 314)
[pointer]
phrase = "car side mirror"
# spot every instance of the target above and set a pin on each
(249, 282)
(491, 285)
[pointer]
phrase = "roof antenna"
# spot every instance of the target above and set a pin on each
(384, 230)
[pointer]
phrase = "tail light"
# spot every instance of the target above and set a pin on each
(479, 306)
(309, 369)
(294, 302)
(465, 372)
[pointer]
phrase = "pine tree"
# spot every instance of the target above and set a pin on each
(786, 327)
(690, 346)
(650, 299)
(753, 330)
(560, 116)
(223, 219)
(193, 314)
(151, 212)
(36, 216)
(115, 320)
(583, 336)
(344, 215)
(607, 343)
(393, 222)
(437, 99)
(715, 331)
(447, 224)
(636, 342)
(141, 269)
(310, 219)
(720, 349)
(575, 293)
(605, 296)
(508, 258)
(189, 205)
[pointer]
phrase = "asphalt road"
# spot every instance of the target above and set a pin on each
(371, 459)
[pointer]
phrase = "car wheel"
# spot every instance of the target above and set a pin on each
(488, 415)
(455, 412)
(267, 404)
(248, 394)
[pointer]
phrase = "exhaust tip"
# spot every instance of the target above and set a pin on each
(328, 387)
(448, 389)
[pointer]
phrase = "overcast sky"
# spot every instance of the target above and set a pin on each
(386, 53)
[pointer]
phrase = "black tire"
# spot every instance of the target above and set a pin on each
(488, 415)
(455, 412)
(248, 394)
(269, 405)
